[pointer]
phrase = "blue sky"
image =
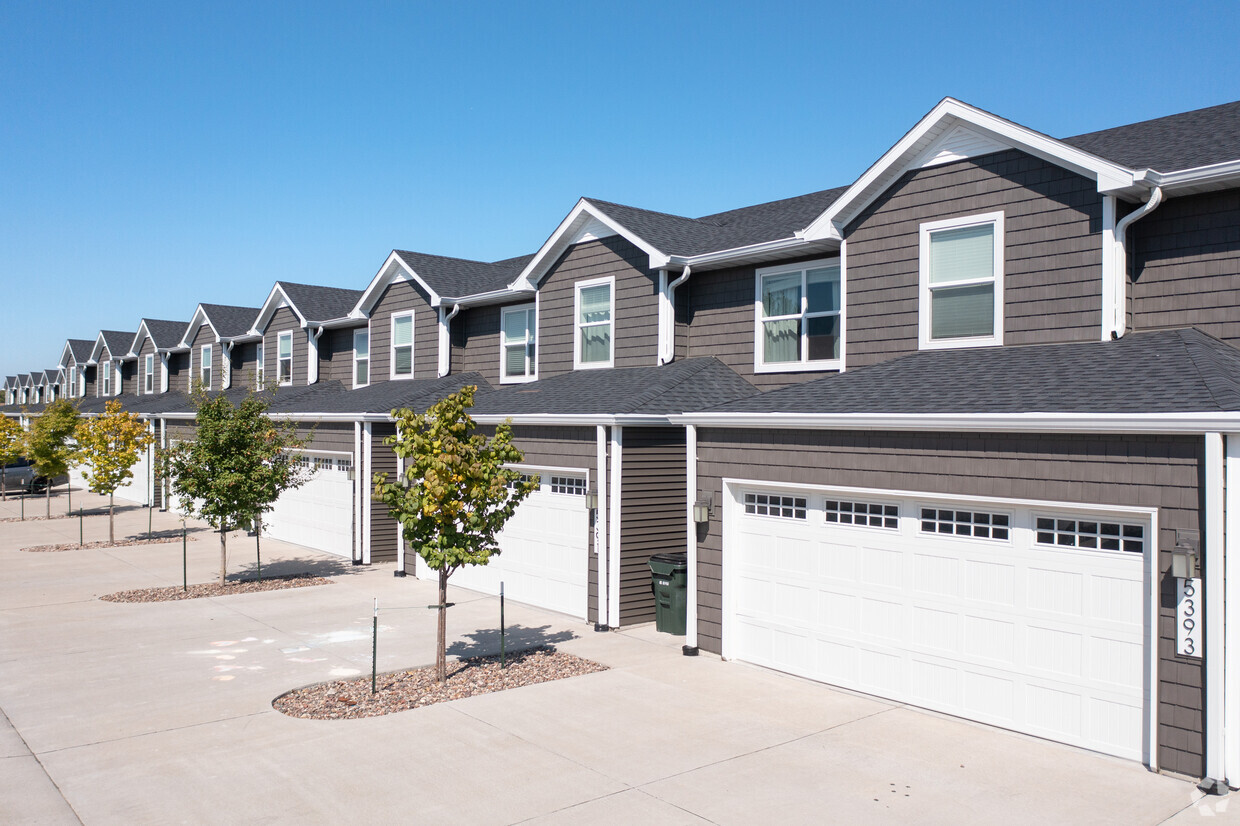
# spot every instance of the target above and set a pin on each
(156, 155)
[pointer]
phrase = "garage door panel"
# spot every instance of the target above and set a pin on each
(1037, 638)
(319, 514)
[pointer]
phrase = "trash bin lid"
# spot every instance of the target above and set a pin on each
(681, 558)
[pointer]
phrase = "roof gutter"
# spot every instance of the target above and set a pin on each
(1145, 423)
(1120, 318)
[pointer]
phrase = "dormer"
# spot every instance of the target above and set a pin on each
(211, 340)
(73, 361)
(290, 327)
(151, 350)
(109, 353)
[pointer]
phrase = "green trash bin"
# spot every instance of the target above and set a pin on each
(669, 580)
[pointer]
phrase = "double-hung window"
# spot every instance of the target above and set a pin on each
(148, 373)
(105, 378)
(259, 360)
(517, 343)
(361, 357)
(204, 369)
(594, 344)
(799, 317)
(284, 356)
(961, 282)
(402, 345)
(72, 388)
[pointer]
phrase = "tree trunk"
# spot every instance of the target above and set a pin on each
(223, 554)
(441, 641)
(111, 521)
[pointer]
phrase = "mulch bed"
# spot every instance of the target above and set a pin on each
(124, 543)
(403, 690)
(214, 589)
(40, 518)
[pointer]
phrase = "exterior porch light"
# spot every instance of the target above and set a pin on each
(592, 499)
(1184, 556)
(702, 509)
(352, 474)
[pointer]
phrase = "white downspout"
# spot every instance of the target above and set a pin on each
(1119, 320)
(667, 317)
(226, 379)
(445, 339)
(312, 369)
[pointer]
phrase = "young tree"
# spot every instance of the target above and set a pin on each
(237, 465)
(455, 494)
(11, 440)
(109, 446)
(48, 443)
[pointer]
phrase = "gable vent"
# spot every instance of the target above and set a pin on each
(959, 143)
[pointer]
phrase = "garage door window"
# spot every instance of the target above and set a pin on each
(976, 524)
(771, 504)
(572, 485)
(870, 514)
(1106, 536)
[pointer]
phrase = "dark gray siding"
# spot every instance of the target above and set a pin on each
(652, 511)
(1124, 471)
(92, 374)
(336, 436)
(384, 530)
(1186, 266)
(202, 336)
(336, 355)
(244, 364)
(399, 297)
(148, 349)
(178, 372)
(284, 319)
(1053, 258)
(475, 342)
(635, 326)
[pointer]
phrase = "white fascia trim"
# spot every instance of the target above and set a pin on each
(269, 309)
(784, 247)
(1146, 423)
(1214, 173)
(67, 350)
(493, 297)
(584, 419)
(906, 153)
(199, 318)
(100, 344)
(135, 346)
(547, 254)
(392, 269)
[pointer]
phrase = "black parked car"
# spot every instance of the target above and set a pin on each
(20, 477)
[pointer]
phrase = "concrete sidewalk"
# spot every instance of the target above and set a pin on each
(117, 713)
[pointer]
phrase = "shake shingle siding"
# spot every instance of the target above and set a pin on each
(336, 355)
(1123, 471)
(1186, 265)
(399, 297)
(284, 319)
(202, 336)
(635, 324)
(1052, 261)
(148, 349)
(178, 372)
(475, 342)
(244, 364)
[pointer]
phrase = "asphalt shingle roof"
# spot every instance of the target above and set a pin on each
(1171, 371)
(319, 303)
(383, 397)
(459, 277)
(118, 343)
(229, 320)
(674, 388)
(165, 334)
(80, 348)
(1184, 141)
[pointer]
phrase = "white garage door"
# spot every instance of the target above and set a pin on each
(1027, 618)
(544, 556)
(319, 514)
(135, 489)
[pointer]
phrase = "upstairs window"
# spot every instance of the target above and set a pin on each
(799, 317)
(204, 369)
(105, 378)
(72, 382)
(259, 360)
(961, 282)
(517, 343)
(402, 345)
(361, 358)
(594, 345)
(285, 358)
(148, 374)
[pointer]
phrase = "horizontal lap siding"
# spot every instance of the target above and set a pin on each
(1123, 471)
(475, 342)
(178, 372)
(635, 322)
(205, 335)
(1186, 265)
(384, 533)
(148, 348)
(1052, 262)
(92, 375)
(402, 296)
(284, 320)
(652, 512)
(721, 322)
(245, 364)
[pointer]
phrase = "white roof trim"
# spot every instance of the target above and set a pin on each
(910, 152)
(269, 309)
(67, 350)
(95, 351)
(1166, 423)
(393, 268)
(579, 217)
(135, 346)
(199, 318)
(1214, 173)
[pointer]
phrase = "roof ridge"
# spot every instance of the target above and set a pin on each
(668, 381)
(454, 258)
(653, 211)
(1190, 350)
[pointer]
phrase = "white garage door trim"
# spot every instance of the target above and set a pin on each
(568, 592)
(733, 513)
(289, 520)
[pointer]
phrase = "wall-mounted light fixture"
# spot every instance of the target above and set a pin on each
(703, 508)
(352, 474)
(592, 499)
(1185, 562)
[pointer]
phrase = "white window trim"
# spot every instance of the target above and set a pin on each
(205, 359)
(365, 330)
(260, 362)
(72, 387)
(413, 339)
(611, 356)
(925, 342)
(289, 335)
(148, 374)
(759, 366)
(103, 388)
(530, 309)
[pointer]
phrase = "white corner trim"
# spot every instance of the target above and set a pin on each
(600, 524)
(613, 541)
(1231, 620)
(1215, 649)
(995, 339)
(364, 486)
(691, 544)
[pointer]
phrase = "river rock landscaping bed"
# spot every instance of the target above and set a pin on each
(214, 589)
(103, 543)
(402, 690)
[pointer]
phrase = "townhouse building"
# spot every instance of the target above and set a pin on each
(958, 434)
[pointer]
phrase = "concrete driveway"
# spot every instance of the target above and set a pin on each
(116, 713)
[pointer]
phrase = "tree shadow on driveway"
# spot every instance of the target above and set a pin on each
(284, 567)
(519, 638)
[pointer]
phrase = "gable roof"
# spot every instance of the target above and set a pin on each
(459, 277)
(117, 344)
(78, 348)
(1170, 371)
(229, 320)
(311, 304)
(166, 335)
(1202, 137)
